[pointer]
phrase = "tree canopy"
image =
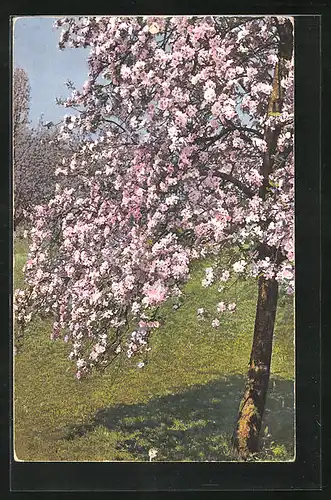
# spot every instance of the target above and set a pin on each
(185, 152)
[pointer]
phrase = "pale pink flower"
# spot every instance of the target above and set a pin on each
(225, 276)
(221, 307)
(154, 294)
(210, 94)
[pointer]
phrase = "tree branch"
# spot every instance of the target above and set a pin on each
(236, 182)
(211, 140)
(115, 123)
(252, 131)
(231, 127)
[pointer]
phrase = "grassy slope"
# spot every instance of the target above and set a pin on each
(184, 402)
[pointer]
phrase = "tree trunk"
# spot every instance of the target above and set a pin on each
(246, 434)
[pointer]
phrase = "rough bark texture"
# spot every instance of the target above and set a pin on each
(246, 435)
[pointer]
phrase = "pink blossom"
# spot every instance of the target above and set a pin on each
(154, 294)
(225, 276)
(221, 307)
(209, 94)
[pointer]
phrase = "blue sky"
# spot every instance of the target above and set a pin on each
(35, 49)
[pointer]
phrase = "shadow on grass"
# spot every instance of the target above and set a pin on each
(195, 425)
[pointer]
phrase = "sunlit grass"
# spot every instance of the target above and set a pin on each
(183, 402)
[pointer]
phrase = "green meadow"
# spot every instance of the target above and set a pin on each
(184, 401)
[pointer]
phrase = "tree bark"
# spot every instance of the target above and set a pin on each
(249, 420)
(251, 410)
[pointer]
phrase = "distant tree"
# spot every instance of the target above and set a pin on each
(21, 100)
(36, 154)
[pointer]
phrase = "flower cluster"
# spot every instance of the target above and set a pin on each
(209, 278)
(137, 341)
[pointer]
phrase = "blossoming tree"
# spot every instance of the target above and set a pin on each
(36, 152)
(188, 126)
(21, 139)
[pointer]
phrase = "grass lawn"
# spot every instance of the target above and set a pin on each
(183, 402)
